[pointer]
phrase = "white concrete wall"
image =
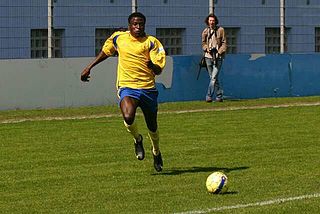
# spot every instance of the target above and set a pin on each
(55, 83)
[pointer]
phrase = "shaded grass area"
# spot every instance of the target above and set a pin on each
(88, 165)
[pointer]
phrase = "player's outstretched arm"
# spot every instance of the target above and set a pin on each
(85, 74)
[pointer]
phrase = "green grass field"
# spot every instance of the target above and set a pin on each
(62, 161)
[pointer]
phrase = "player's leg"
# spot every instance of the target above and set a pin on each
(149, 107)
(128, 106)
(151, 121)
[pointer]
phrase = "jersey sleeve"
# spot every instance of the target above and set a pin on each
(109, 47)
(157, 53)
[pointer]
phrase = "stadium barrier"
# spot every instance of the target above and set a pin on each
(55, 83)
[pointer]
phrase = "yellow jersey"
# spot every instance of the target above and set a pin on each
(134, 55)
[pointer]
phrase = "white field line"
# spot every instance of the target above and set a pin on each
(256, 204)
(160, 112)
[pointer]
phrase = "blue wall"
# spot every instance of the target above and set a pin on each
(79, 19)
(246, 77)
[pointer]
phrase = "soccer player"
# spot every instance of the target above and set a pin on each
(141, 58)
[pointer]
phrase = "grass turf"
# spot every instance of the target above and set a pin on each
(88, 165)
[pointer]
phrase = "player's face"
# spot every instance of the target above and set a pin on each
(136, 27)
(211, 22)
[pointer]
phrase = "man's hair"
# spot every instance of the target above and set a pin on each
(137, 14)
(211, 15)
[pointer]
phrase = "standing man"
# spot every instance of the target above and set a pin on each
(214, 45)
(141, 58)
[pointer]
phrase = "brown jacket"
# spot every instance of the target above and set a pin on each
(217, 40)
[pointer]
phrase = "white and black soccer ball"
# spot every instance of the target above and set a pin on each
(217, 183)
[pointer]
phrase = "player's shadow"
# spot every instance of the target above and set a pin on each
(197, 169)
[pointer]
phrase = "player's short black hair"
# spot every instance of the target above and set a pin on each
(215, 18)
(137, 14)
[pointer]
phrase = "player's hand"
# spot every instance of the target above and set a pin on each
(155, 68)
(85, 75)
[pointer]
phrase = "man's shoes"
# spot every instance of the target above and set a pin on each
(157, 162)
(139, 150)
(218, 99)
(209, 100)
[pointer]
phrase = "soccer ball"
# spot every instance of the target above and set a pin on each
(217, 183)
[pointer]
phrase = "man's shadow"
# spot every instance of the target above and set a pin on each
(197, 169)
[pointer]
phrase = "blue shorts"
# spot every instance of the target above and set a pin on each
(148, 98)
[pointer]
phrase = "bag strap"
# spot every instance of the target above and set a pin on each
(214, 32)
(210, 34)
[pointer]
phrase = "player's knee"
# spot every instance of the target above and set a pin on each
(128, 119)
